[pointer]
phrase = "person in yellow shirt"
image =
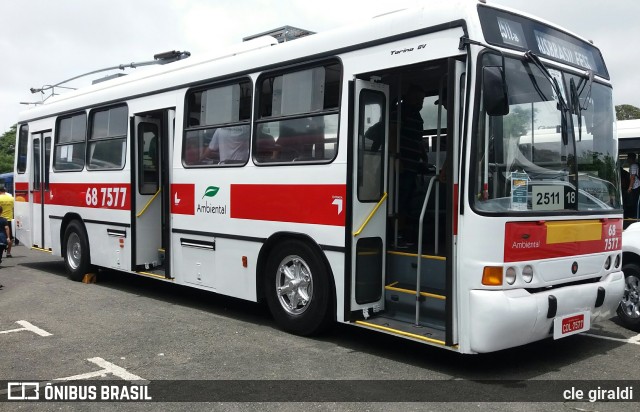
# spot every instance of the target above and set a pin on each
(5, 238)
(6, 206)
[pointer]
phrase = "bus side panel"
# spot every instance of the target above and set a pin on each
(194, 260)
(242, 283)
(54, 226)
(22, 221)
(109, 249)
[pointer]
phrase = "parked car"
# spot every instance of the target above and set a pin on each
(629, 309)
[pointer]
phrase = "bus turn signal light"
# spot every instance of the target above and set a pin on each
(492, 276)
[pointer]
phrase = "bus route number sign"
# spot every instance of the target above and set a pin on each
(549, 197)
(110, 197)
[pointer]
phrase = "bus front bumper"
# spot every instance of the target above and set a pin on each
(501, 319)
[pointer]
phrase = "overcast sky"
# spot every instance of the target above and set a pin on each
(47, 41)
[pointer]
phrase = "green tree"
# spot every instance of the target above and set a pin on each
(7, 150)
(627, 112)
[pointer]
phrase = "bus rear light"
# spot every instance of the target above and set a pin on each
(607, 263)
(527, 274)
(510, 275)
(245, 263)
(617, 261)
(492, 276)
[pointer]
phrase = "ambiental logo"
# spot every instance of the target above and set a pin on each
(211, 191)
(207, 208)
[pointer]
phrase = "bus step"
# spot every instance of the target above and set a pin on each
(402, 268)
(400, 304)
(408, 330)
(157, 273)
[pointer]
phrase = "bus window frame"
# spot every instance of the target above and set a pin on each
(258, 119)
(72, 143)
(89, 140)
(186, 128)
(23, 142)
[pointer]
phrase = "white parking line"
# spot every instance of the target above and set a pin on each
(107, 368)
(28, 326)
(115, 370)
(633, 340)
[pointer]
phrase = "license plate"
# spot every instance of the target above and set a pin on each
(571, 324)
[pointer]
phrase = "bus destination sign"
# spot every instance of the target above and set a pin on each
(512, 33)
(562, 50)
(505, 29)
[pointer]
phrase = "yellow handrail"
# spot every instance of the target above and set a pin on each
(413, 292)
(373, 212)
(144, 209)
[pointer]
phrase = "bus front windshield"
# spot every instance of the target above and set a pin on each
(531, 160)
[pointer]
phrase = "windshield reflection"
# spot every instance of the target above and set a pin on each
(523, 160)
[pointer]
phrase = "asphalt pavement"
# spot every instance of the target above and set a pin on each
(200, 351)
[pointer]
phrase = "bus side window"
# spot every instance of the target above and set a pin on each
(301, 108)
(218, 130)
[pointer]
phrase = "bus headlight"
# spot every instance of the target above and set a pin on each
(607, 263)
(527, 274)
(617, 261)
(510, 275)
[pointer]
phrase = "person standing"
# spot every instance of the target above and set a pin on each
(5, 234)
(634, 185)
(6, 206)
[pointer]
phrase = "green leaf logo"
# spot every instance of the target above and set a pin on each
(211, 191)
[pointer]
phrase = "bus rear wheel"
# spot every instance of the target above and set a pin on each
(629, 309)
(76, 251)
(297, 289)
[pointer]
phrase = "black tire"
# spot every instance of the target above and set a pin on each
(629, 309)
(308, 308)
(76, 254)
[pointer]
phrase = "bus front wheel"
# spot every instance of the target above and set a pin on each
(629, 309)
(297, 289)
(76, 251)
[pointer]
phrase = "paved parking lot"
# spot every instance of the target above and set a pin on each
(132, 329)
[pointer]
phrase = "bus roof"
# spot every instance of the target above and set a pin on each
(252, 55)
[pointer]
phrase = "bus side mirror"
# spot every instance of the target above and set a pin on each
(494, 92)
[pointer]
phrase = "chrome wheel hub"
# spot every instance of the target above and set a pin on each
(294, 285)
(74, 251)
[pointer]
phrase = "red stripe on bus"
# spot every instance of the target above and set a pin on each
(528, 241)
(183, 198)
(315, 204)
(22, 186)
(93, 195)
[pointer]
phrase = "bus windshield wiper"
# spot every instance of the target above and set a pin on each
(531, 56)
(563, 106)
(576, 91)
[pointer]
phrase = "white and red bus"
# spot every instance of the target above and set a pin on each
(279, 172)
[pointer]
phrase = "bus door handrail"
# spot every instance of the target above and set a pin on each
(144, 209)
(373, 212)
(420, 234)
